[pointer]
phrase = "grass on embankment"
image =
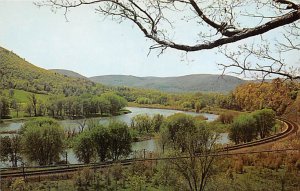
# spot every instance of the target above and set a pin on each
(22, 96)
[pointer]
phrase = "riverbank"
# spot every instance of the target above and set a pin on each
(158, 106)
(219, 111)
(208, 109)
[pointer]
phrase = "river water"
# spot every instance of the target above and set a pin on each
(151, 145)
(12, 126)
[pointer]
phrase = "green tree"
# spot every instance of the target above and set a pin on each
(42, 140)
(41, 108)
(143, 100)
(116, 102)
(103, 105)
(102, 141)
(16, 106)
(4, 107)
(120, 140)
(10, 149)
(157, 121)
(187, 105)
(33, 102)
(164, 137)
(243, 129)
(142, 123)
(234, 134)
(265, 121)
(226, 117)
(178, 125)
(84, 147)
(28, 109)
(199, 105)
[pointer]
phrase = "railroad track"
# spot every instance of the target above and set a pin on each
(291, 128)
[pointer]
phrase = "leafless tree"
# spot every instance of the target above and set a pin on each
(220, 23)
(82, 124)
(195, 170)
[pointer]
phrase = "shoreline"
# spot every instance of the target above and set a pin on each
(209, 110)
(158, 106)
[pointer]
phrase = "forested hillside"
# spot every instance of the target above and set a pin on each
(277, 95)
(17, 73)
(189, 83)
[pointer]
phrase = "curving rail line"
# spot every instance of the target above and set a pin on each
(291, 128)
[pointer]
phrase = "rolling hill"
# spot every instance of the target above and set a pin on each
(17, 73)
(189, 83)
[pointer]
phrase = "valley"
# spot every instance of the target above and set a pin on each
(67, 124)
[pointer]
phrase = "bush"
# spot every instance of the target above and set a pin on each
(265, 121)
(243, 129)
(239, 166)
(43, 140)
(227, 117)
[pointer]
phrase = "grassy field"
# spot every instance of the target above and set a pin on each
(23, 96)
(252, 178)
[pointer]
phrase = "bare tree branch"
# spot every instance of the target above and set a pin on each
(220, 23)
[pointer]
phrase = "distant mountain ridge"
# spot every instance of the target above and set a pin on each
(188, 83)
(68, 73)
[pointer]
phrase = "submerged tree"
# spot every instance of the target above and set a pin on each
(219, 23)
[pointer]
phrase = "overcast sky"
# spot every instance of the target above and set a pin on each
(91, 46)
